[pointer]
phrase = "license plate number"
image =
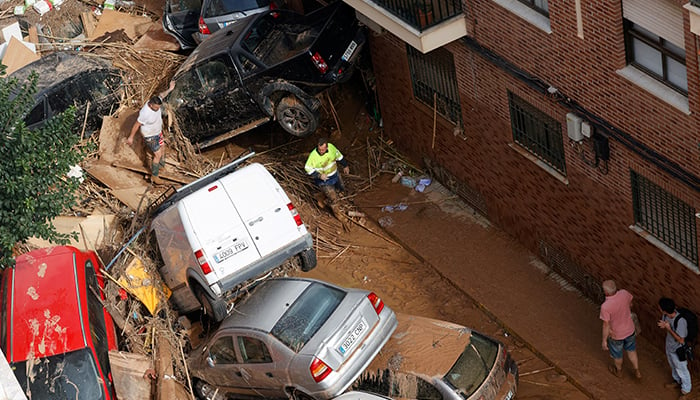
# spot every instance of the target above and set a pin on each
(348, 52)
(352, 337)
(226, 253)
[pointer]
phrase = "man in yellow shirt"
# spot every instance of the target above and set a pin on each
(322, 166)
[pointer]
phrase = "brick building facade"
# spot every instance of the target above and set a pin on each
(508, 97)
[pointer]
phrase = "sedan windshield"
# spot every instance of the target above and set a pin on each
(69, 376)
(306, 316)
(473, 366)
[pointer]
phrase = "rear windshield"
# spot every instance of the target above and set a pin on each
(280, 36)
(306, 316)
(473, 366)
(223, 7)
(69, 376)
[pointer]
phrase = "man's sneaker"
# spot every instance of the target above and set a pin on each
(672, 385)
(613, 370)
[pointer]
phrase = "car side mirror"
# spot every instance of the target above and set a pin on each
(211, 362)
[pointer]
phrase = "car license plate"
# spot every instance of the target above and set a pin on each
(352, 337)
(349, 51)
(226, 253)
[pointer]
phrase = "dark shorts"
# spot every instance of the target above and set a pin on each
(616, 346)
(334, 180)
(154, 142)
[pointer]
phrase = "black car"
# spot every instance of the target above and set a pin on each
(267, 66)
(72, 79)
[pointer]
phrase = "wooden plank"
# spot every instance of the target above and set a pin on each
(17, 56)
(155, 38)
(33, 35)
(128, 371)
(162, 174)
(168, 389)
(91, 230)
(111, 21)
(89, 23)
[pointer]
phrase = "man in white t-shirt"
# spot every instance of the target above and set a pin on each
(150, 122)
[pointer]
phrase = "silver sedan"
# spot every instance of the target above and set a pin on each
(293, 338)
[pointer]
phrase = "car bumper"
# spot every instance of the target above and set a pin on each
(264, 265)
(339, 380)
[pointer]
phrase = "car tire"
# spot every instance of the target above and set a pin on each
(213, 308)
(295, 118)
(205, 391)
(308, 260)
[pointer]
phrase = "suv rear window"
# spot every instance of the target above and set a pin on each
(474, 365)
(59, 377)
(306, 316)
(221, 7)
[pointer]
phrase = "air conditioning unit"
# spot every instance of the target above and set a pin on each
(573, 127)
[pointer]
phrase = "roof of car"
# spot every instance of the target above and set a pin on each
(422, 346)
(44, 310)
(57, 67)
(267, 303)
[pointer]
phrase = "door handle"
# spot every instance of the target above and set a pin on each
(255, 221)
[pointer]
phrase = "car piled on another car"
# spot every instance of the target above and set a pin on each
(266, 66)
(292, 338)
(431, 359)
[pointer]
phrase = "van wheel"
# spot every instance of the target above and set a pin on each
(308, 260)
(213, 308)
(295, 117)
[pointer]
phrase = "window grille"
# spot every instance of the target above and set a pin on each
(537, 132)
(669, 219)
(434, 82)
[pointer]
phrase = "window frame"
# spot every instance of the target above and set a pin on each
(631, 34)
(531, 4)
(547, 128)
(661, 204)
(434, 82)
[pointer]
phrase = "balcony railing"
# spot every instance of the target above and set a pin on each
(422, 14)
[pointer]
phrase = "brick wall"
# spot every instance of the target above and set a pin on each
(587, 216)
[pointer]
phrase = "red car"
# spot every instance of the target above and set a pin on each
(55, 332)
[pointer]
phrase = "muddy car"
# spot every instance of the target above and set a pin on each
(89, 83)
(431, 359)
(292, 338)
(267, 66)
(192, 21)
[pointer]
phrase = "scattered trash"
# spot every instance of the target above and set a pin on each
(19, 10)
(395, 207)
(425, 181)
(355, 214)
(41, 7)
(76, 172)
(408, 181)
(386, 221)
(396, 177)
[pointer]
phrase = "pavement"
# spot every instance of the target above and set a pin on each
(512, 285)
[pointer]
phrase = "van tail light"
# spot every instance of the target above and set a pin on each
(199, 255)
(319, 370)
(319, 62)
(203, 28)
(377, 303)
(295, 214)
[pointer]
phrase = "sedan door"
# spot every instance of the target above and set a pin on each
(262, 367)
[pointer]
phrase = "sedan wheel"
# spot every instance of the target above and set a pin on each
(295, 117)
(205, 391)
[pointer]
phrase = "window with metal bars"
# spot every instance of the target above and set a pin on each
(434, 82)
(537, 132)
(540, 6)
(669, 219)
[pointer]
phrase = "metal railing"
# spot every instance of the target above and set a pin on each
(422, 14)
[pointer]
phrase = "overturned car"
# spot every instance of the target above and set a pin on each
(267, 66)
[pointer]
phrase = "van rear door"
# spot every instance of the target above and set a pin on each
(263, 207)
(218, 230)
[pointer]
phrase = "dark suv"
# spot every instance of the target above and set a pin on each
(267, 66)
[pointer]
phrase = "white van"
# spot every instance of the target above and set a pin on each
(224, 229)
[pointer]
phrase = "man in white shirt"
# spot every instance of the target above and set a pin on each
(150, 122)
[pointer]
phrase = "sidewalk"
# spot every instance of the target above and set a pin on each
(513, 285)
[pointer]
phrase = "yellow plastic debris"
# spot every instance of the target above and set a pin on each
(139, 282)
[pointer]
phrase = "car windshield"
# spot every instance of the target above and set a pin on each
(222, 7)
(306, 316)
(473, 366)
(69, 376)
